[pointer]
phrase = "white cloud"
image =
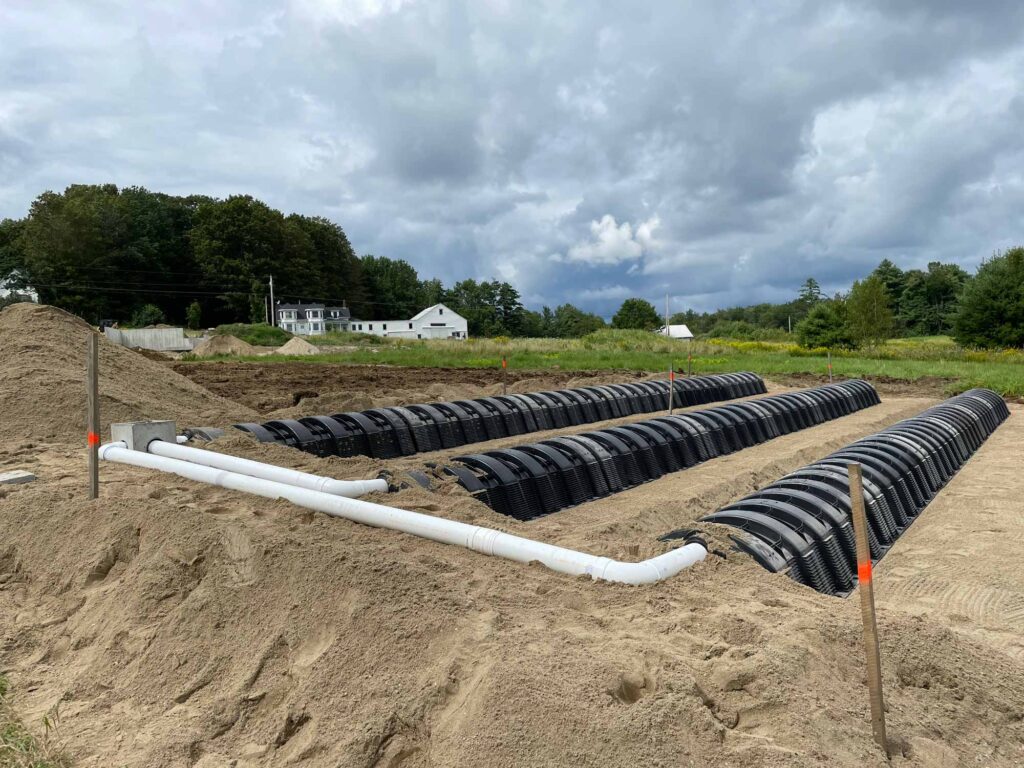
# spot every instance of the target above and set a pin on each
(613, 243)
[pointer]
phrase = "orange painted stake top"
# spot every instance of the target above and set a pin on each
(864, 572)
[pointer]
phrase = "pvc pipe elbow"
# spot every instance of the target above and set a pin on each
(103, 449)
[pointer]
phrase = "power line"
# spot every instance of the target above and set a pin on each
(117, 288)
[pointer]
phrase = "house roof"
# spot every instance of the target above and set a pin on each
(300, 306)
(676, 332)
(423, 312)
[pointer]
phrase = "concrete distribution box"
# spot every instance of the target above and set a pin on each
(137, 435)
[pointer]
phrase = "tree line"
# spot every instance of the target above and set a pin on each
(143, 257)
(983, 310)
(146, 257)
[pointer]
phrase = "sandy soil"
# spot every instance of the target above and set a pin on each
(172, 624)
(959, 562)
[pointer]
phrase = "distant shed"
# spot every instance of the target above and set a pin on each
(676, 332)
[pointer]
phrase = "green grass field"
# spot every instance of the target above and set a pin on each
(935, 357)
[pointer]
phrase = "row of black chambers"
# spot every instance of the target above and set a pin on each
(802, 524)
(386, 433)
(532, 480)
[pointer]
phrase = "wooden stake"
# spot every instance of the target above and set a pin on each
(92, 406)
(504, 369)
(867, 607)
(829, 352)
(671, 388)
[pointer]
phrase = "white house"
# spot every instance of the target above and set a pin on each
(436, 322)
(675, 332)
(312, 319)
(11, 286)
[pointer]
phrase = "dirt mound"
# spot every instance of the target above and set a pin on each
(223, 344)
(153, 354)
(42, 381)
(297, 346)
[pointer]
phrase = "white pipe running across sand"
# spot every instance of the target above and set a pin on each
(484, 540)
(349, 488)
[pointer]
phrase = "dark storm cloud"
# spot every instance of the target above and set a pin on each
(720, 152)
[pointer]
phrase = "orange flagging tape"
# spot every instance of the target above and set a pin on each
(504, 363)
(94, 439)
(864, 572)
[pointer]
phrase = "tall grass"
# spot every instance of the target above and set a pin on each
(19, 748)
(257, 334)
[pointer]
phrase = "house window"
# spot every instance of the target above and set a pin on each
(410, 326)
(385, 326)
(419, 335)
(440, 311)
(371, 326)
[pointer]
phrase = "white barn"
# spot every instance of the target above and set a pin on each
(436, 322)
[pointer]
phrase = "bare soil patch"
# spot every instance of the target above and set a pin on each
(268, 387)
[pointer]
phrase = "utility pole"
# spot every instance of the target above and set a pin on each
(790, 321)
(273, 312)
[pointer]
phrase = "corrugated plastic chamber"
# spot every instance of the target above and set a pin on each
(386, 433)
(536, 479)
(801, 524)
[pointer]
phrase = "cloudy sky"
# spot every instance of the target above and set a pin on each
(718, 151)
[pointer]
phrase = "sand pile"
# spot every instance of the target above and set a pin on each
(42, 381)
(223, 344)
(297, 346)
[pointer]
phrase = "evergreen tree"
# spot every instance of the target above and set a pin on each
(991, 311)
(894, 279)
(810, 294)
(825, 326)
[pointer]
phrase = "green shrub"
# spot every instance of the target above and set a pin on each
(147, 314)
(257, 334)
(744, 331)
(825, 326)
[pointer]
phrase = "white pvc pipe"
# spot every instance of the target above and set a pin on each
(350, 488)
(484, 540)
